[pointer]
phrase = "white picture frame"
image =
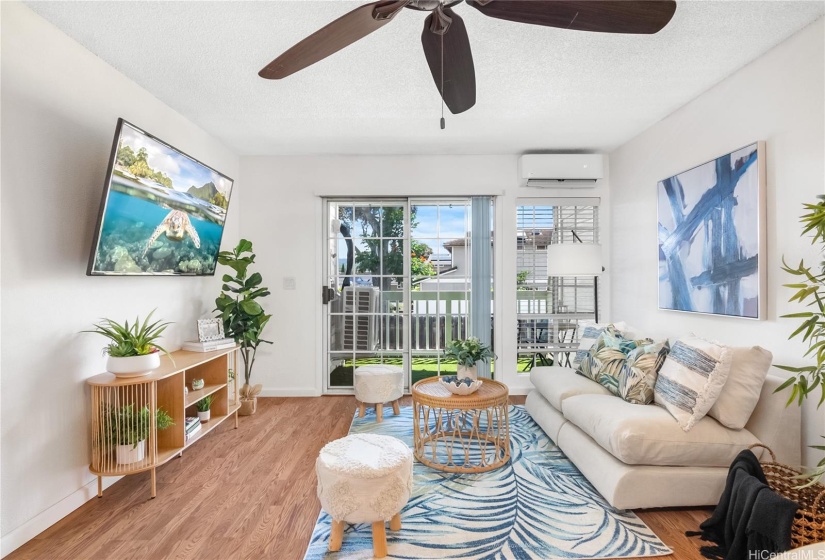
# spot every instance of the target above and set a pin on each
(210, 329)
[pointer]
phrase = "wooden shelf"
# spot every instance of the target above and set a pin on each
(194, 396)
(163, 388)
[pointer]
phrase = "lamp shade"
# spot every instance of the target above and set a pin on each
(574, 259)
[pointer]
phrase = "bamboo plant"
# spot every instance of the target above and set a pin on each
(809, 291)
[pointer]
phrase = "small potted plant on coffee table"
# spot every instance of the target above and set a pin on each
(204, 407)
(468, 353)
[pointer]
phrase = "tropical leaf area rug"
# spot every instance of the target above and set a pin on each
(538, 506)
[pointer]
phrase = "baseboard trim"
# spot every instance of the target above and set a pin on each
(293, 392)
(42, 521)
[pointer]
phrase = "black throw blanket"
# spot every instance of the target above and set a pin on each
(750, 516)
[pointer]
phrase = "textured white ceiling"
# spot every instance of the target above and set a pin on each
(538, 88)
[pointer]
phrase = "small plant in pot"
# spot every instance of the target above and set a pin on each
(133, 349)
(468, 353)
(243, 317)
(127, 427)
(204, 407)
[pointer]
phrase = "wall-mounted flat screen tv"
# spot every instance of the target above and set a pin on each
(162, 213)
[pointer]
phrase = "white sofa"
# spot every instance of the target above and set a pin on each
(637, 456)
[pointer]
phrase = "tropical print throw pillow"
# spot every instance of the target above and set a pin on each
(637, 378)
(607, 357)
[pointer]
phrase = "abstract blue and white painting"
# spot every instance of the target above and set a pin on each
(711, 236)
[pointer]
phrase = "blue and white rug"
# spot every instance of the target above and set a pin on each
(538, 506)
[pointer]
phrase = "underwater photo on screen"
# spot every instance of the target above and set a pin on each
(163, 212)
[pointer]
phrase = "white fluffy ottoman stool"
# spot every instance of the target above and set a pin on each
(364, 478)
(377, 384)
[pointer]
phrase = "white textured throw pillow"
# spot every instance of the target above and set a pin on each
(748, 370)
(691, 379)
(588, 334)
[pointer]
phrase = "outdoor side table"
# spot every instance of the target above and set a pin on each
(461, 433)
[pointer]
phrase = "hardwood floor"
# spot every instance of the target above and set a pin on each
(246, 493)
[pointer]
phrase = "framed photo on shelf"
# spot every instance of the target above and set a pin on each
(210, 329)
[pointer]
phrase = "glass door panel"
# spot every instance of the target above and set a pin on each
(398, 284)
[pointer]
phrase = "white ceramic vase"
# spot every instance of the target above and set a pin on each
(132, 366)
(465, 371)
(204, 415)
(126, 454)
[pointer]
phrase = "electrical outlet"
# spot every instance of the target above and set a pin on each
(289, 283)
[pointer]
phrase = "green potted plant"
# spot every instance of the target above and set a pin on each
(204, 407)
(468, 353)
(809, 290)
(126, 428)
(133, 349)
(243, 317)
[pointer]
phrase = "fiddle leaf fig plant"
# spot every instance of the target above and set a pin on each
(239, 303)
(809, 290)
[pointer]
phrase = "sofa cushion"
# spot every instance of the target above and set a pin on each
(588, 334)
(558, 383)
(691, 379)
(649, 435)
(637, 378)
(748, 370)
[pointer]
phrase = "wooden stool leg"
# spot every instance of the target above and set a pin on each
(379, 412)
(100, 487)
(336, 537)
(395, 407)
(379, 539)
(154, 482)
(361, 410)
(395, 522)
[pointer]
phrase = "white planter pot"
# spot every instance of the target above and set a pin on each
(204, 415)
(128, 454)
(133, 366)
(464, 371)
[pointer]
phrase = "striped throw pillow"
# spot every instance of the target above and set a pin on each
(691, 379)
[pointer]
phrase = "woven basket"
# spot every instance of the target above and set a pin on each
(809, 523)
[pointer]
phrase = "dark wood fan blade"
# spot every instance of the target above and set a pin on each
(333, 37)
(459, 75)
(606, 16)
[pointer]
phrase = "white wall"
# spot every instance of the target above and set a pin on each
(282, 215)
(779, 98)
(60, 104)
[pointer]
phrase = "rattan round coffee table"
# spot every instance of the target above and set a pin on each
(461, 433)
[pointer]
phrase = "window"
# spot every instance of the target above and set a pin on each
(549, 309)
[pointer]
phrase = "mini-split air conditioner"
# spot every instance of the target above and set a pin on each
(561, 170)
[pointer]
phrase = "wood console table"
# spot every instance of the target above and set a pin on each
(162, 388)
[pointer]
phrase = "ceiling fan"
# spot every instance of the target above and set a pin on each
(445, 41)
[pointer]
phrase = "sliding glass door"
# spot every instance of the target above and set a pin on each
(398, 284)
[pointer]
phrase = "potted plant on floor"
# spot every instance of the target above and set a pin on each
(809, 290)
(468, 353)
(243, 317)
(133, 349)
(127, 427)
(204, 407)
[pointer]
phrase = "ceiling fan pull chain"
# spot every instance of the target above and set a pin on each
(443, 123)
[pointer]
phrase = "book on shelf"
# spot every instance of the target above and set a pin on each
(193, 431)
(210, 345)
(190, 422)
